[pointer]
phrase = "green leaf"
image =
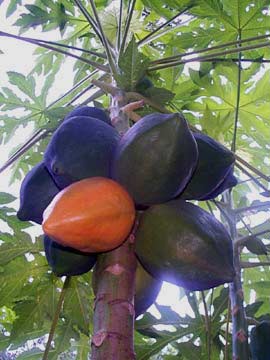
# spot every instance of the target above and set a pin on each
(77, 306)
(34, 310)
(82, 347)
(12, 7)
(49, 15)
(65, 333)
(25, 84)
(6, 198)
(132, 65)
(11, 249)
(16, 275)
(159, 95)
(251, 309)
(33, 354)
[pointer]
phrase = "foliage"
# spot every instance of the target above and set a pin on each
(221, 87)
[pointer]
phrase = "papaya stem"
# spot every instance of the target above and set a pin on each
(76, 97)
(226, 352)
(49, 47)
(127, 25)
(216, 47)
(93, 97)
(39, 135)
(240, 348)
(239, 322)
(260, 61)
(208, 326)
(248, 265)
(105, 41)
(89, 18)
(131, 96)
(56, 317)
(252, 168)
(87, 77)
(209, 57)
(237, 106)
(242, 240)
(262, 206)
(253, 178)
(91, 52)
(252, 321)
(108, 88)
(119, 28)
(148, 37)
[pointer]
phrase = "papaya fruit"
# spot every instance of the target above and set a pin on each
(260, 341)
(37, 190)
(80, 148)
(147, 289)
(66, 261)
(155, 158)
(91, 111)
(229, 182)
(91, 215)
(183, 244)
(214, 164)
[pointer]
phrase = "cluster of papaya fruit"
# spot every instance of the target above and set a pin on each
(86, 191)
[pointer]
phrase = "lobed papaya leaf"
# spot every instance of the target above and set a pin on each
(133, 65)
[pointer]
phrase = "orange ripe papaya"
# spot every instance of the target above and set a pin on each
(91, 215)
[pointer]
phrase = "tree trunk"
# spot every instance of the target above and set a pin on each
(114, 284)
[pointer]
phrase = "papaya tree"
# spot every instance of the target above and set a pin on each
(152, 167)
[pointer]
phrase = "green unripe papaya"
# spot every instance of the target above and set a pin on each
(37, 191)
(155, 158)
(81, 147)
(90, 111)
(229, 182)
(66, 261)
(214, 165)
(183, 244)
(147, 289)
(260, 341)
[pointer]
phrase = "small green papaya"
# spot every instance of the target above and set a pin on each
(80, 148)
(37, 191)
(91, 111)
(214, 165)
(229, 182)
(181, 243)
(155, 158)
(260, 341)
(66, 261)
(147, 289)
